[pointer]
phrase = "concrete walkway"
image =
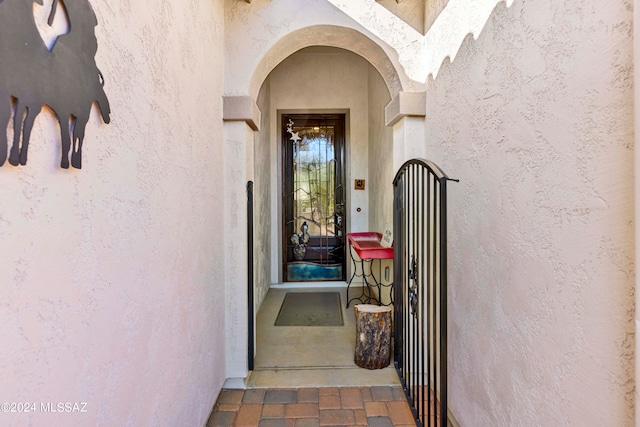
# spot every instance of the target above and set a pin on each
(306, 407)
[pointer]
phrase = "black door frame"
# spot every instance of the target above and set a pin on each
(339, 120)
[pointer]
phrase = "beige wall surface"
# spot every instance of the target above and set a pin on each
(278, 29)
(535, 119)
(381, 172)
(265, 22)
(380, 163)
(111, 276)
(263, 204)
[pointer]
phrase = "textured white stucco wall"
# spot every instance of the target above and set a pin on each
(111, 277)
(238, 161)
(536, 119)
(381, 171)
(406, 45)
(380, 162)
(278, 29)
(458, 19)
(636, 83)
(263, 222)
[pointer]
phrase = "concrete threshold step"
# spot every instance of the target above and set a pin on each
(322, 377)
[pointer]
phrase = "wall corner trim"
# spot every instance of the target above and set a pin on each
(235, 383)
(405, 104)
(241, 108)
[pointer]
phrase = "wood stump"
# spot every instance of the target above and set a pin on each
(373, 336)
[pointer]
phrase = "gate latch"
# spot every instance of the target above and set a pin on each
(413, 289)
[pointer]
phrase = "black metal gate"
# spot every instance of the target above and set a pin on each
(420, 288)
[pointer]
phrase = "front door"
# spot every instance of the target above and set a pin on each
(314, 198)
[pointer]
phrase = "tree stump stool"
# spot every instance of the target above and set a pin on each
(373, 336)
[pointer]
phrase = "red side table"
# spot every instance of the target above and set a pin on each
(368, 248)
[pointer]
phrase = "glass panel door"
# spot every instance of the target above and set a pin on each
(313, 197)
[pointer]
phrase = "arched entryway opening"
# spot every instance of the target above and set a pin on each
(315, 70)
(316, 82)
(321, 69)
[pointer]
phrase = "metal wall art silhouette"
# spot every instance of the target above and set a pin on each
(64, 77)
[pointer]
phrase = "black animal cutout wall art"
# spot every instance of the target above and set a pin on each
(64, 77)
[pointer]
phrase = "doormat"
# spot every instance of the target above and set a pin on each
(310, 309)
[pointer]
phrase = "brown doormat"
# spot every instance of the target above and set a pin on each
(310, 309)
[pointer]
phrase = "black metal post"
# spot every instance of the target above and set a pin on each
(250, 302)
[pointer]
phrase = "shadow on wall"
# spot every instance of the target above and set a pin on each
(419, 14)
(458, 21)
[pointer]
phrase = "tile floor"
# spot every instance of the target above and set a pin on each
(305, 407)
(305, 376)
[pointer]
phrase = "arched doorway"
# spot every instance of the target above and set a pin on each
(315, 82)
(281, 83)
(322, 81)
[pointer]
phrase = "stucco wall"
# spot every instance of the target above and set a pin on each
(535, 118)
(111, 280)
(278, 29)
(381, 171)
(262, 215)
(323, 82)
(380, 163)
(636, 117)
(447, 33)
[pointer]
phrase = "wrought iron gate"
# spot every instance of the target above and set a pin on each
(420, 288)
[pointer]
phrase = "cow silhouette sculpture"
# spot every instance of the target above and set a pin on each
(65, 77)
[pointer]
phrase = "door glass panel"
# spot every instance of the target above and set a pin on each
(314, 213)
